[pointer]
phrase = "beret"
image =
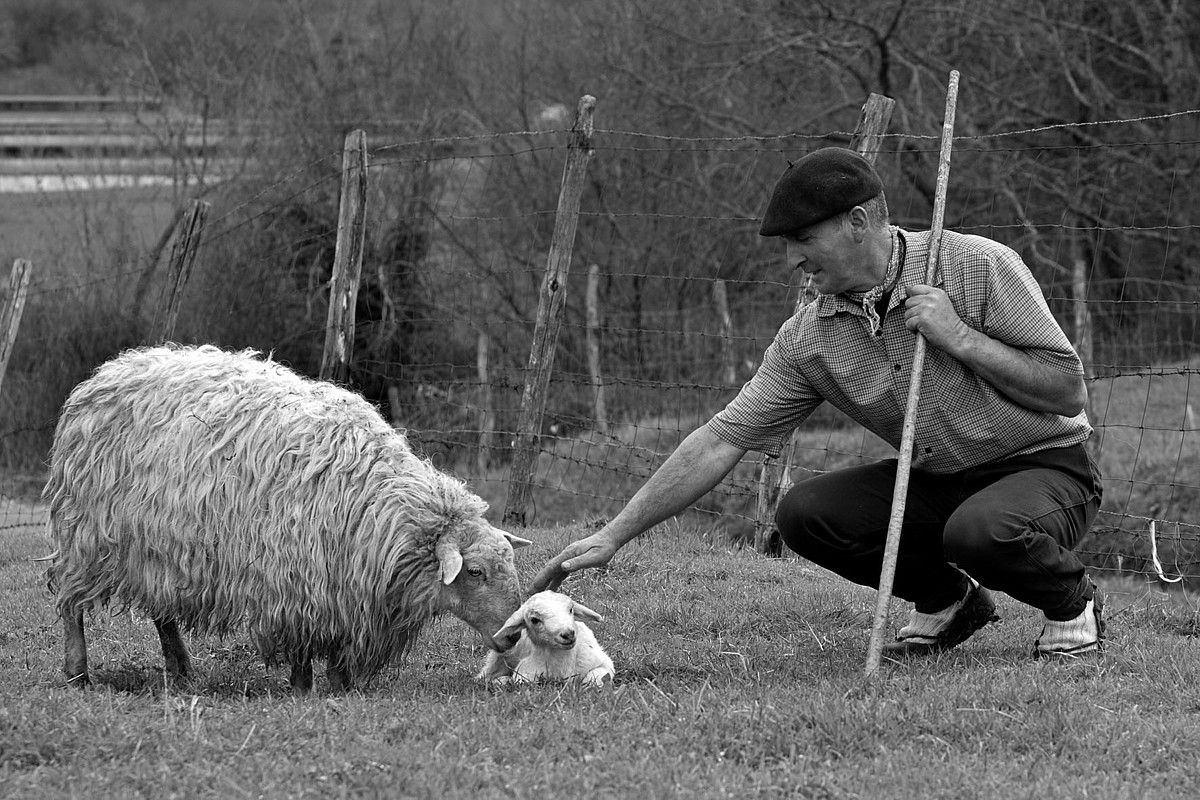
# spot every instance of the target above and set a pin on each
(821, 185)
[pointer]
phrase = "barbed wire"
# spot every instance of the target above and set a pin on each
(761, 138)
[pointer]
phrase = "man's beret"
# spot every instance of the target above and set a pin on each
(821, 185)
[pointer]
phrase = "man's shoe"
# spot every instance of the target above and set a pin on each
(927, 634)
(1075, 637)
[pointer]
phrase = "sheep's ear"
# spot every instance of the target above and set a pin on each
(513, 626)
(450, 559)
(515, 541)
(583, 612)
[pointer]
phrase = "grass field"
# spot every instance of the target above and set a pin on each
(738, 676)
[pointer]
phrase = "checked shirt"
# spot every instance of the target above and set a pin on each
(827, 352)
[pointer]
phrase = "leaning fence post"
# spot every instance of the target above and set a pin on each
(155, 255)
(552, 299)
(599, 412)
(1083, 328)
(774, 476)
(347, 260)
(183, 258)
(11, 311)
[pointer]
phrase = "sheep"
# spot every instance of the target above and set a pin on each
(553, 643)
(212, 490)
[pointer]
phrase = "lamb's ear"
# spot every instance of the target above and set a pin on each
(450, 559)
(515, 541)
(583, 612)
(512, 627)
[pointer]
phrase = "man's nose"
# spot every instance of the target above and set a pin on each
(795, 257)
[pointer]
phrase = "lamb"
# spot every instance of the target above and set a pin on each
(213, 490)
(553, 643)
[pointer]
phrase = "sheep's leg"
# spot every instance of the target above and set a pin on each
(339, 676)
(489, 671)
(597, 677)
(175, 655)
(495, 666)
(75, 663)
(302, 679)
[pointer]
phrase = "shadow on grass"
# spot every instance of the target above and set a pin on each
(222, 677)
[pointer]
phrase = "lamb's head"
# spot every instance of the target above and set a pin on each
(478, 580)
(548, 619)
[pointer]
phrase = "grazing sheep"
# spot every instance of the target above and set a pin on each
(211, 490)
(553, 643)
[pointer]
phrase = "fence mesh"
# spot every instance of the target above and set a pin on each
(685, 297)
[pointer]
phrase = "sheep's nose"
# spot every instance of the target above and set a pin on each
(567, 637)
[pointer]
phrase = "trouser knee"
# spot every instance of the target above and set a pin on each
(800, 517)
(975, 544)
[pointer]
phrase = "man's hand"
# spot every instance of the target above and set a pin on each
(593, 551)
(696, 466)
(930, 311)
(1015, 374)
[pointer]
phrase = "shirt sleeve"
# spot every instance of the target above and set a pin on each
(1017, 314)
(772, 403)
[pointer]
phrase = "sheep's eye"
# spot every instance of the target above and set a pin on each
(475, 572)
(535, 620)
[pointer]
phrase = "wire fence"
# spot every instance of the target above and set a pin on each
(671, 300)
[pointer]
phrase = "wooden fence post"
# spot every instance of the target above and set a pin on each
(11, 311)
(487, 412)
(1083, 329)
(599, 412)
(721, 299)
(775, 474)
(183, 258)
(549, 316)
(393, 395)
(347, 260)
(147, 276)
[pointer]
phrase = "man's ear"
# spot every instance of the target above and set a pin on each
(859, 221)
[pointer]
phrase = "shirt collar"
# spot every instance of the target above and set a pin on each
(829, 304)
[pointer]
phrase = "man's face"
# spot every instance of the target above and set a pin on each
(829, 253)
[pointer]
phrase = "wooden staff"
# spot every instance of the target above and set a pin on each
(904, 462)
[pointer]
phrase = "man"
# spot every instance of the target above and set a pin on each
(1001, 486)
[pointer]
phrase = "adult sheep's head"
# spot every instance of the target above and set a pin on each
(478, 580)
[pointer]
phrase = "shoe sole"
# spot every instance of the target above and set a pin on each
(1087, 649)
(979, 611)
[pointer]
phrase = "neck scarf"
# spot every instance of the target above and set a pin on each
(869, 300)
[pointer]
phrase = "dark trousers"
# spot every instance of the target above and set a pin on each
(1010, 525)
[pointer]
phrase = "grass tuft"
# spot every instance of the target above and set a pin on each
(738, 676)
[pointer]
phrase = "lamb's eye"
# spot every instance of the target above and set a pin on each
(475, 572)
(535, 620)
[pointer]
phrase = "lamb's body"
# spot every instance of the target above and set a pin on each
(215, 489)
(554, 644)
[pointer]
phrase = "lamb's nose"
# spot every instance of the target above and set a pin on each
(568, 637)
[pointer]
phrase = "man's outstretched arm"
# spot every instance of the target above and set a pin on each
(696, 466)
